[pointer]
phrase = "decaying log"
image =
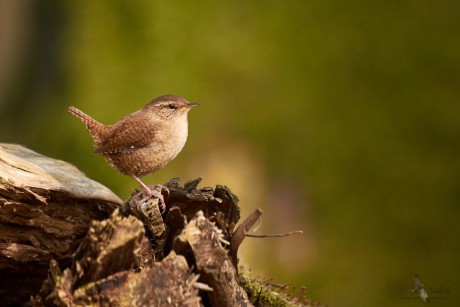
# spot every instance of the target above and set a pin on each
(114, 263)
(68, 241)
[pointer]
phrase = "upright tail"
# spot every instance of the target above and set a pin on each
(95, 128)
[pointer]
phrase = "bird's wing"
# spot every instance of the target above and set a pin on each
(127, 136)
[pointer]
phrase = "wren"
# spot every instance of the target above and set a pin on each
(145, 141)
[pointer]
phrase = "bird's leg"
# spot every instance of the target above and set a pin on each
(153, 193)
(143, 186)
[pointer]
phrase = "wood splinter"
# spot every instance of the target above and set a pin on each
(250, 223)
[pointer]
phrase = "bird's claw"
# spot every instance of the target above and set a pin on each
(155, 191)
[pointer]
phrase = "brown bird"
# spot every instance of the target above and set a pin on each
(145, 141)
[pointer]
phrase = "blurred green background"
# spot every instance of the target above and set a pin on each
(340, 118)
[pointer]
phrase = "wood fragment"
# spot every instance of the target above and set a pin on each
(275, 235)
(109, 247)
(213, 264)
(148, 212)
(167, 283)
(240, 233)
(27, 174)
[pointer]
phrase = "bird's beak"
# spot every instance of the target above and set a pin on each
(192, 105)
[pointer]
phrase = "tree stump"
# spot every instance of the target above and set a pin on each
(65, 240)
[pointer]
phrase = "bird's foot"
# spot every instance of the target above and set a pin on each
(151, 192)
(155, 191)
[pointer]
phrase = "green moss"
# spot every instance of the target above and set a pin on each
(263, 294)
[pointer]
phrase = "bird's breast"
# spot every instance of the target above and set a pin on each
(177, 137)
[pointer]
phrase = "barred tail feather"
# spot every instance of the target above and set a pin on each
(96, 129)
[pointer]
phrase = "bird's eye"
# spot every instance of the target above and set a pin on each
(171, 106)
